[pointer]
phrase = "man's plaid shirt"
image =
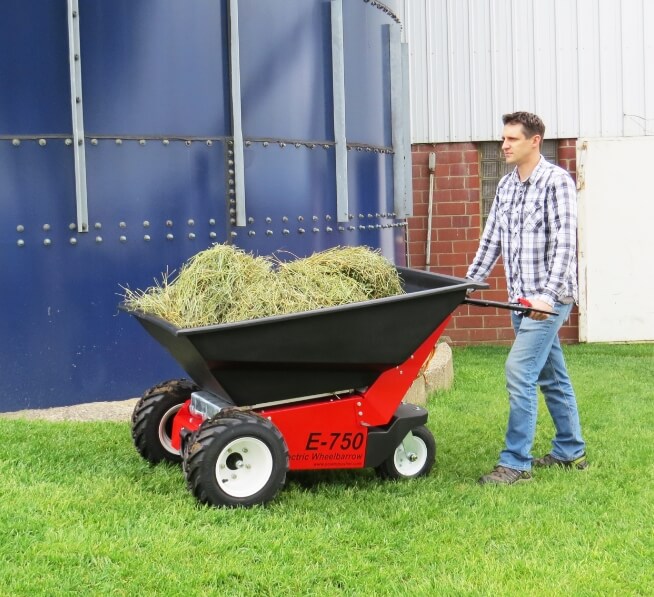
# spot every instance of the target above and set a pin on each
(533, 225)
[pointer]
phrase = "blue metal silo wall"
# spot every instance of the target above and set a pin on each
(156, 105)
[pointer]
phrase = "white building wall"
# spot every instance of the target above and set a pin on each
(585, 66)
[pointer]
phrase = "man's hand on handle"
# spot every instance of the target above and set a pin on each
(541, 305)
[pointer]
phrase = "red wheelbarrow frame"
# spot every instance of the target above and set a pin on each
(344, 431)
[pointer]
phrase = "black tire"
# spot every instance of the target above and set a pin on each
(153, 416)
(401, 465)
(248, 451)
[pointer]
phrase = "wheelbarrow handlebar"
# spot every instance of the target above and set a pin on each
(522, 306)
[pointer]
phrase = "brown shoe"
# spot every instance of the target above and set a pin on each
(580, 463)
(502, 475)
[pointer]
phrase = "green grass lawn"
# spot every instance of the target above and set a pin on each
(81, 513)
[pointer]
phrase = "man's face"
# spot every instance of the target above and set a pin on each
(516, 147)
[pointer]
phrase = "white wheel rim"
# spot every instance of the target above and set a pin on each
(409, 464)
(243, 467)
(164, 431)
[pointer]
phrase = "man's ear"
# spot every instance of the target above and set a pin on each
(536, 140)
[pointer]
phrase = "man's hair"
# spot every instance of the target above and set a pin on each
(531, 124)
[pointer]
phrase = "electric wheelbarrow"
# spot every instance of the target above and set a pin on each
(319, 389)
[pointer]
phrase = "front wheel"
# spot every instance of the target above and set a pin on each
(414, 457)
(152, 420)
(239, 459)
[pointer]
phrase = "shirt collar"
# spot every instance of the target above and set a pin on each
(538, 171)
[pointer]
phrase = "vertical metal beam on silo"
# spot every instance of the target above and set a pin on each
(338, 82)
(399, 129)
(79, 152)
(237, 128)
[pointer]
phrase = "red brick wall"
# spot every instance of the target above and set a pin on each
(455, 232)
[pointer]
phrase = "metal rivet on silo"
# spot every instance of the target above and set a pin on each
(328, 218)
(232, 201)
(361, 216)
(328, 229)
(98, 239)
(250, 220)
(73, 241)
(325, 146)
(362, 227)
(20, 228)
(230, 162)
(371, 227)
(123, 224)
(231, 192)
(78, 100)
(212, 235)
(169, 236)
(146, 237)
(97, 225)
(252, 233)
(165, 142)
(20, 242)
(282, 144)
(265, 144)
(298, 145)
(341, 228)
(76, 57)
(15, 142)
(187, 143)
(370, 215)
(230, 152)
(230, 172)
(233, 234)
(316, 230)
(350, 216)
(286, 231)
(46, 227)
(212, 222)
(68, 141)
(351, 228)
(284, 219)
(191, 222)
(312, 146)
(146, 224)
(94, 141)
(315, 218)
(301, 230)
(300, 218)
(209, 142)
(191, 235)
(119, 141)
(72, 226)
(248, 143)
(232, 211)
(169, 223)
(230, 182)
(269, 232)
(268, 220)
(80, 142)
(47, 242)
(232, 221)
(123, 239)
(42, 142)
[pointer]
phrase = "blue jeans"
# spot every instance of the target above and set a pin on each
(535, 359)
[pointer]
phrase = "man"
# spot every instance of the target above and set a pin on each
(532, 225)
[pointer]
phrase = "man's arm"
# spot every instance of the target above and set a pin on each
(489, 248)
(562, 216)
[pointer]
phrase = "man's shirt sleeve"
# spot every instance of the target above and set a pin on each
(562, 218)
(489, 247)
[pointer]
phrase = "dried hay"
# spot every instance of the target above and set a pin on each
(224, 284)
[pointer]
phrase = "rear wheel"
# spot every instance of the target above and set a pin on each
(239, 459)
(414, 457)
(152, 420)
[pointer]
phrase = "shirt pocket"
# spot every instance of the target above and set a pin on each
(534, 216)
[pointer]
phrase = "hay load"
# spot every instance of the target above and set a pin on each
(223, 284)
